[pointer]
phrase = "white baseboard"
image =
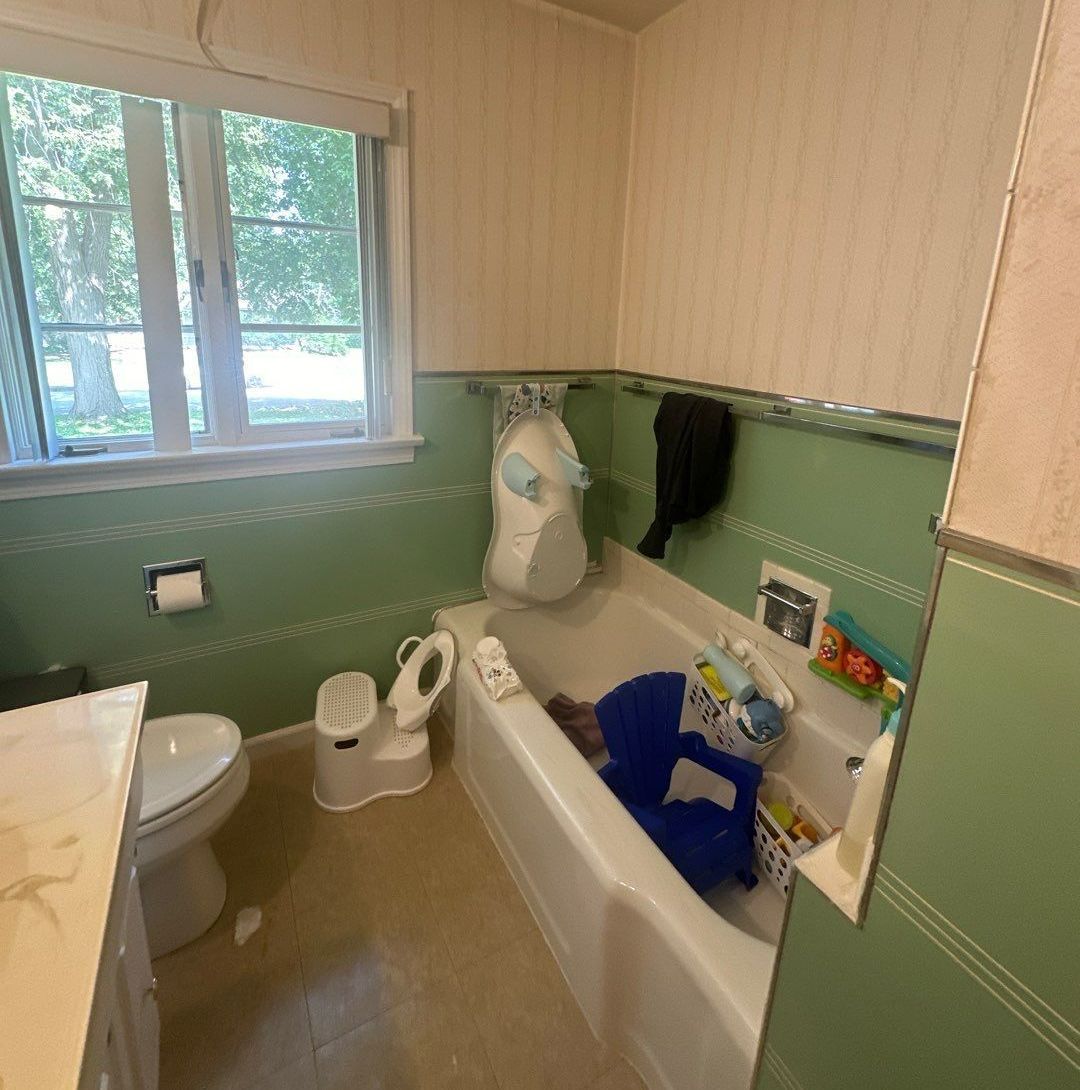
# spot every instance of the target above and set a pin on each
(280, 741)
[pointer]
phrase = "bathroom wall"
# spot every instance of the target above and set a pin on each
(310, 573)
(520, 126)
(816, 193)
(519, 138)
(1018, 484)
(961, 976)
(847, 511)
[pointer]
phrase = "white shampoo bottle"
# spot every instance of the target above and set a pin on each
(858, 831)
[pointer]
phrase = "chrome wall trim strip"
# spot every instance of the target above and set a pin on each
(865, 424)
(861, 411)
(480, 376)
(1038, 567)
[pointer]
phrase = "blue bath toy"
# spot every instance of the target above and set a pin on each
(519, 476)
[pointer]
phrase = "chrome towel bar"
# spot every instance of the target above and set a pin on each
(487, 390)
(782, 414)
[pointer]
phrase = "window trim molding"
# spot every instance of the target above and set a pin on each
(55, 45)
(147, 469)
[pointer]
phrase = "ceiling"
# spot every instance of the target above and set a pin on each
(628, 14)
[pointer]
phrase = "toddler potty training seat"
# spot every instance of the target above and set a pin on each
(366, 750)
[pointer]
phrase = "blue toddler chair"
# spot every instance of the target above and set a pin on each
(704, 841)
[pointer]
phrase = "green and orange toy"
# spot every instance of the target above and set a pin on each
(850, 657)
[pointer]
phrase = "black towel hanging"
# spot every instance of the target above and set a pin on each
(694, 437)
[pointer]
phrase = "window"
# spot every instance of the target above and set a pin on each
(186, 279)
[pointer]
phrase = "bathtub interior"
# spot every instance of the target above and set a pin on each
(587, 644)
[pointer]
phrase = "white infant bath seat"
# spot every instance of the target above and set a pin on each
(366, 750)
(537, 552)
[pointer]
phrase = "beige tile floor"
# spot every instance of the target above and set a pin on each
(395, 952)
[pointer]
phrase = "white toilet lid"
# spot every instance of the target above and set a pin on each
(182, 755)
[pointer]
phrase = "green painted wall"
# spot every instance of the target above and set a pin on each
(320, 572)
(845, 510)
(964, 974)
(310, 573)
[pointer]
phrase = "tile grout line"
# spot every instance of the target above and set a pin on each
(454, 974)
(315, 1049)
(276, 758)
(455, 971)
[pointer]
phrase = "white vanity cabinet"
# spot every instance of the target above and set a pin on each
(77, 1003)
(131, 1022)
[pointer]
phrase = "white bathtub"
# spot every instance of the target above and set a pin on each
(676, 985)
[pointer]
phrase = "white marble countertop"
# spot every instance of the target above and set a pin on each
(65, 774)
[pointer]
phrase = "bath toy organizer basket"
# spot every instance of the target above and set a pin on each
(775, 850)
(721, 730)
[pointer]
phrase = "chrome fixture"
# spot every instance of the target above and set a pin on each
(483, 389)
(871, 421)
(153, 572)
(789, 612)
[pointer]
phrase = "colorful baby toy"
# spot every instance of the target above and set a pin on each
(850, 657)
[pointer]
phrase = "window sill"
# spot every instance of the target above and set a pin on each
(144, 469)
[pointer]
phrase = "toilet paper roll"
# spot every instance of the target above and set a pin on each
(175, 593)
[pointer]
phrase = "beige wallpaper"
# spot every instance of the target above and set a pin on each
(520, 134)
(816, 193)
(1018, 480)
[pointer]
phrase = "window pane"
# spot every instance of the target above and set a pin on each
(305, 272)
(68, 144)
(193, 361)
(83, 262)
(69, 141)
(196, 389)
(296, 277)
(97, 384)
(285, 171)
(303, 379)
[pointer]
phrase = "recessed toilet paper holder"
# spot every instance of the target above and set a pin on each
(153, 572)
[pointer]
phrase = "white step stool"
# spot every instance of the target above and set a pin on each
(366, 750)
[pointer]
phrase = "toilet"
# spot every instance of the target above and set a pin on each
(195, 772)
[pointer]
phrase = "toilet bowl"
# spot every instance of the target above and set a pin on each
(195, 772)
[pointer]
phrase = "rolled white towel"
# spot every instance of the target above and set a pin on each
(493, 665)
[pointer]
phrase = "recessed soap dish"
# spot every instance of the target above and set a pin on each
(789, 612)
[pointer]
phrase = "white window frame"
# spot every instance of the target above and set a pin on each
(233, 451)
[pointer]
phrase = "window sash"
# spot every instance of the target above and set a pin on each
(155, 265)
(216, 321)
(232, 347)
